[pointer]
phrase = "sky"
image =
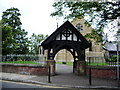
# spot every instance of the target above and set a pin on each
(35, 15)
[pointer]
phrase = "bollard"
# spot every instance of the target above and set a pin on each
(90, 82)
(49, 72)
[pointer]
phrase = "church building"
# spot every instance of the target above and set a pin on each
(95, 50)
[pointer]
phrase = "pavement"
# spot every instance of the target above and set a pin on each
(63, 78)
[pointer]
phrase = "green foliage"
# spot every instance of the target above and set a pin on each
(94, 35)
(7, 40)
(11, 18)
(100, 12)
(105, 10)
(118, 32)
(0, 37)
(111, 59)
(14, 39)
(35, 41)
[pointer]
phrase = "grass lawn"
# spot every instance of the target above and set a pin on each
(67, 63)
(20, 62)
(91, 64)
(98, 64)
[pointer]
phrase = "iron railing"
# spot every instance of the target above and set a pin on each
(23, 59)
(102, 61)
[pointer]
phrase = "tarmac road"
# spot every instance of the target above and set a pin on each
(10, 85)
(17, 85)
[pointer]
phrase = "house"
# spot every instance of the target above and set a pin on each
(111, 48)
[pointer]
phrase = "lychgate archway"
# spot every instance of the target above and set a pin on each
(66, 37)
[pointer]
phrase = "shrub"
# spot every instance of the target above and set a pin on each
(112, 58)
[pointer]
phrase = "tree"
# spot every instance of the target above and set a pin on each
(7, 40)
(94, 35)
(35, 41)
(118, 32)
(101, 13)
(14, 39)
(0, 38)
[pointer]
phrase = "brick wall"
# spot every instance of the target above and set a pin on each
(102, 72)
(24, 69)
(98, 71)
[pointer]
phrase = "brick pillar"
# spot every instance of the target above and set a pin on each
(51, 63)
(81, 68)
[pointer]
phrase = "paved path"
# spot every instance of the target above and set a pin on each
(64, 77)
(64, 69)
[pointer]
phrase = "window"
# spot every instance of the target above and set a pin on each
(66, 32)
(79, 27)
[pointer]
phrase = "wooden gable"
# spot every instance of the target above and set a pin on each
(66, 32)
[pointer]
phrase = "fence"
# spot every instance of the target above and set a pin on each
(102, 61)
(24, 59)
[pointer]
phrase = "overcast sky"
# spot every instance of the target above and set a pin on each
(35, 15)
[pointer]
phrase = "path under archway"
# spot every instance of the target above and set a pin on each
(64, 69)
(64, 58)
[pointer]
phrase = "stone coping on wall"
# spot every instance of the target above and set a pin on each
(22, 65)
(103, 67)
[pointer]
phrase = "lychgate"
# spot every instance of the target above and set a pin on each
(69, 38)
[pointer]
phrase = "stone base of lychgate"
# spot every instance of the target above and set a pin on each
(81, 68)
(51, 64)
